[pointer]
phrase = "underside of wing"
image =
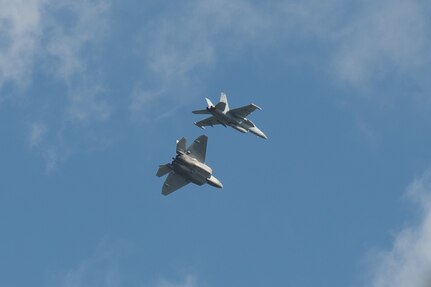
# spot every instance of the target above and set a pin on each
(211, 121)
(201, 112)
(244, 111)
(198, 148)
(173, 182)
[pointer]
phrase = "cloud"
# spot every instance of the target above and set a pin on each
(37, 133)
(20, 30)
(67, 38)
(192, 39)
(57, 41)
(100, 269)
(188, 281)
(109, 266)
(144, 101)
(87, 104)
(69, 43)
(37, 30)
(360, 43)
(37, 139)
(384, 38)
(408, 263)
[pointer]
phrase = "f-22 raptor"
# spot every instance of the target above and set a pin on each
(236, 118)
(188, 166)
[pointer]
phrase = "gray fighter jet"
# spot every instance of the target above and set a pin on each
(188, 166)
(236, 118)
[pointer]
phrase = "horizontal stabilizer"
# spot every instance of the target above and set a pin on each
(163, 169)
(201, 112)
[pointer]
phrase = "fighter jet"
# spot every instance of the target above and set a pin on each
(236, 118)
(188, 166)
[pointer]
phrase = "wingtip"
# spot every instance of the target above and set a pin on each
(202, 137)
(257, 107)
(181, 139)
(196, 124)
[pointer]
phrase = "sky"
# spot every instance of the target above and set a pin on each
(94, 94)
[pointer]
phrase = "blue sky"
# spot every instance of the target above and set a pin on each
(93, 95)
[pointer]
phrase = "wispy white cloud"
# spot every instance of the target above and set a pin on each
(107, 266)
(408, 263)
(32, 30)
(191, 39)
(99, 269)
(358, 42)
(384, 39)
(88, 104)
(70, 28)
(68, 54)
(143, 101)
(20, 31)
(37, 133)
(38, 139)
(188, 281)
(60, 40)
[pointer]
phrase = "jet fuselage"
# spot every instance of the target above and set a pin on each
(240, 124)
(195, 171)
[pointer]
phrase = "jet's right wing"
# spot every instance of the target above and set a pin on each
(173, 182)
(211, 121)
(244, 111)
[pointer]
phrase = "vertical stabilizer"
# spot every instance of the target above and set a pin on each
(209, 103)
(223, 99)
(181, 145)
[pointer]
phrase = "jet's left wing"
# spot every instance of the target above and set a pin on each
(211, 121)
(198, 148)
(173, 182)
(244, 111)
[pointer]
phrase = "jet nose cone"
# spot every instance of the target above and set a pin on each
(214, 182)
(258, 132)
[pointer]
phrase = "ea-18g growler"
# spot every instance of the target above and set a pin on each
(235, 118)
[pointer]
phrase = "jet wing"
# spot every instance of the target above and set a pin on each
(173, 182)
(198, 148)
(211, 121)
(244, 111)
